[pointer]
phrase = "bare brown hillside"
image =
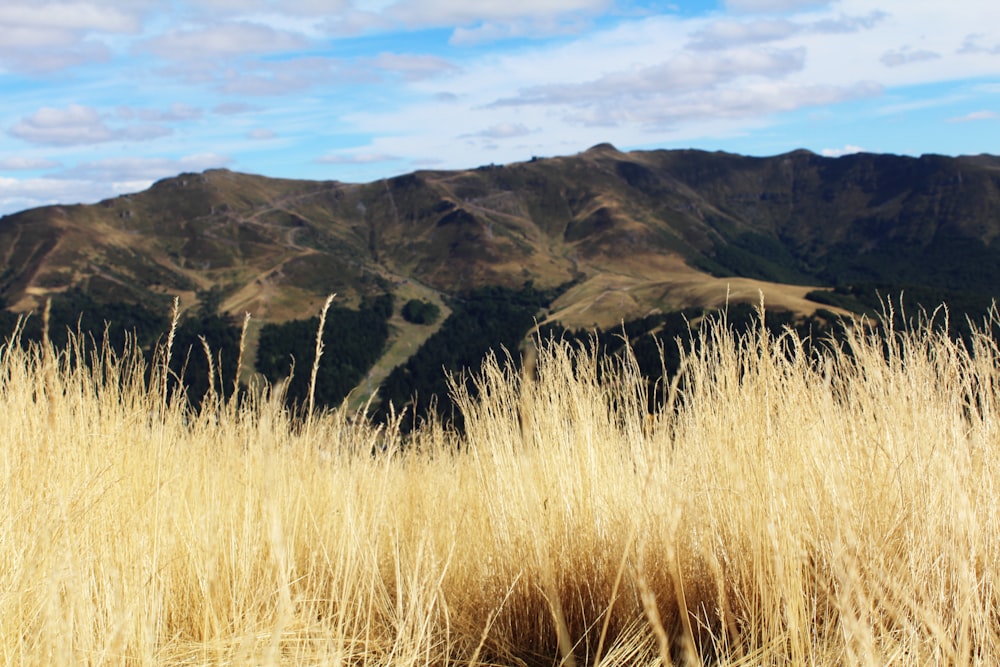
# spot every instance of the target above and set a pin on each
(635, 232)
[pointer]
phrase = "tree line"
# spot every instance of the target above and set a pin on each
(353, 340)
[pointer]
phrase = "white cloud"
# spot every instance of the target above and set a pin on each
(358, 158)
(78, 125)
(310, 7)
(844, 25)
(849, 149)
(728, 33)
(531, 28)
(297, 7)
(899, 108)
(751, 101)
(684, 74)
(234, 108)
(462, 12)
(775, 6)
(412, 67)
(93, 181)
(502, 131)
(352, 17)
(975, 116)
(20, 194)
(227, 40)
(906, 56)
(349, 24)
(18, 37)
(265, 77)
(35, 51)
(261, 134)
(174, 113)
(26, 164)
(280, 78)
(57, 16)
(474, 23)
(39, 38)
(141, 170)
(635, 82)
(73, 125)
(972, 45)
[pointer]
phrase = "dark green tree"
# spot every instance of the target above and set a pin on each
(353, 341)
(420, 312)
(485, 319)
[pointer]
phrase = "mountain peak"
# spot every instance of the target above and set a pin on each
(604, 147)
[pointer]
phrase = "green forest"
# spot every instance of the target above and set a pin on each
(353, 340)
(112, 326)
(491, 318)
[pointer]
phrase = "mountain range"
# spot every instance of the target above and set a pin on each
(621, 235)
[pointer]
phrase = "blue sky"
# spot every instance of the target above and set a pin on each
(104, 97)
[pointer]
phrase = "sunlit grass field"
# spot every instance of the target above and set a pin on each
(788, 504)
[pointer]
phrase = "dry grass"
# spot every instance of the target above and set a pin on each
(636, 289)
(786, 508)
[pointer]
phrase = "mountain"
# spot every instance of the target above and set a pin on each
(624, 234)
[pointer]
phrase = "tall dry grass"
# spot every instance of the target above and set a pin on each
(787, 507)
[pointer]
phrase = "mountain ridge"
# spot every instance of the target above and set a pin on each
(637, 223)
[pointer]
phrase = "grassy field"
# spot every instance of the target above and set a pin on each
(785, 508)
(667, 283)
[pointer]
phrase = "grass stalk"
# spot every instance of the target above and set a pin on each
(830, 505)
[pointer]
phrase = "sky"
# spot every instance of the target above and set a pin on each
(105, 97)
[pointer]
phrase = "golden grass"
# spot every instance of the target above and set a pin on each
(634, 290)
(785, 508)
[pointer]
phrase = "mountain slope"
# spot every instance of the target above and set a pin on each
(635, 232)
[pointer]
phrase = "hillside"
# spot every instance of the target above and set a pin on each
(629, 228)
(621, 235)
